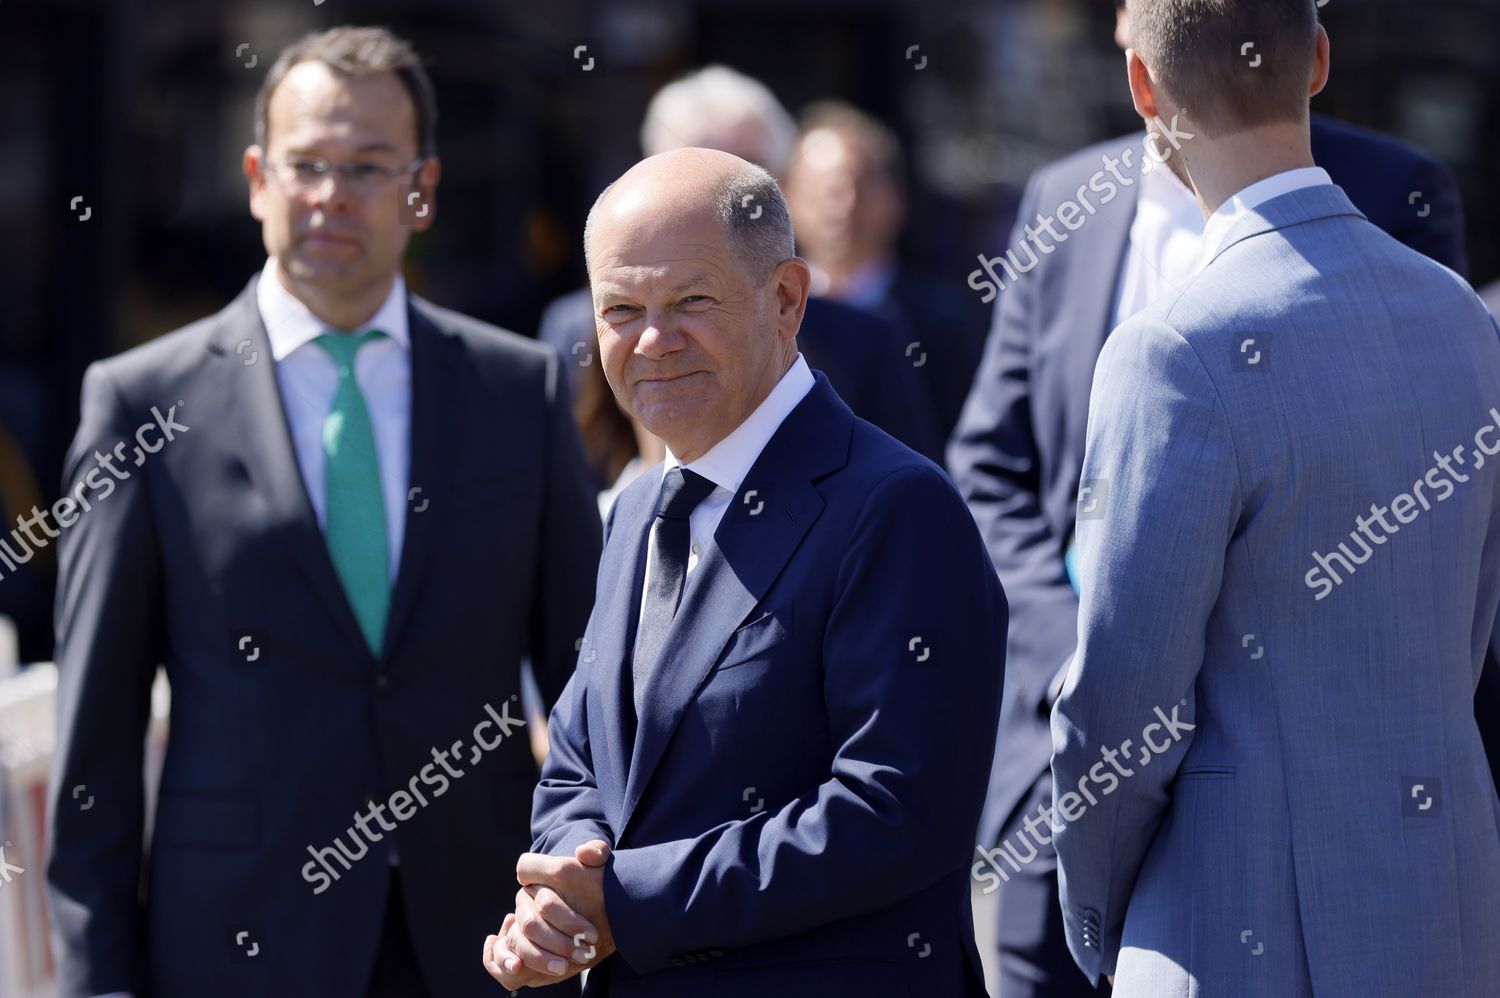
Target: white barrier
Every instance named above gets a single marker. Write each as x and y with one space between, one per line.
10 645
27 739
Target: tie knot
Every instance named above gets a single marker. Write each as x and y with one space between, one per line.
343 346
681 492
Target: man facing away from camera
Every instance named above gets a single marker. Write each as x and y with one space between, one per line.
1268 779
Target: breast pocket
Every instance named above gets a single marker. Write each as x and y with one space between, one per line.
755 641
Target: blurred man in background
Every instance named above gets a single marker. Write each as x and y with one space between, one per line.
361 511
1303 805
863 355
849 196
1017 455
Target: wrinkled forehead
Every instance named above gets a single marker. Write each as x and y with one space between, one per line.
647 238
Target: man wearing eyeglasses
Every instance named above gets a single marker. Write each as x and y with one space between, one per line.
361 512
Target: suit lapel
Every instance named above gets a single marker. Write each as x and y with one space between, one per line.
438 385
1086 314
1102 257
255 420
766 521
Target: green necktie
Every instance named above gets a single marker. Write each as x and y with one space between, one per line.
354 504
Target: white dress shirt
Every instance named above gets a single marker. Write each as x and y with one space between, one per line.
727 463
1230 212
309 377
1164 243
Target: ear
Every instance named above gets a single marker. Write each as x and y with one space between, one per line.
1321 65
1122 27
792 279
426 182
254 165
1142 86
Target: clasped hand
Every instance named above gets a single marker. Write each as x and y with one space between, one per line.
559 927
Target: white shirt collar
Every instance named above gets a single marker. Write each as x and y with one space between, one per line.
1216 232
1161 188
728 462
291 325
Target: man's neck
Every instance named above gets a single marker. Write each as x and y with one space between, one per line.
339 312
1221 168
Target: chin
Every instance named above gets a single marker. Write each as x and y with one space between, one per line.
673 420
329 272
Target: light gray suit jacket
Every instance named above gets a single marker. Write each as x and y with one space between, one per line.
1271 707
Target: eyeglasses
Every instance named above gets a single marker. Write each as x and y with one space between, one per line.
303 174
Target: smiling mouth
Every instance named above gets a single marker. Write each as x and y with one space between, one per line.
670 378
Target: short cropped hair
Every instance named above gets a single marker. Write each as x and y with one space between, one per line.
356 52
716 97
1232 64
755 216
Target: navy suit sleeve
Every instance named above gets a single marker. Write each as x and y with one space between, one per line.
996 463
566 809
109 642
569 553
913 658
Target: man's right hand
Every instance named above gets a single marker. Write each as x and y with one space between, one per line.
545 941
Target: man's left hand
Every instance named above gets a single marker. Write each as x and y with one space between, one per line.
571 889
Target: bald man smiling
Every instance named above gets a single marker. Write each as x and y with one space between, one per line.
767 767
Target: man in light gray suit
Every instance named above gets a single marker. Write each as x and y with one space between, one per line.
1268 779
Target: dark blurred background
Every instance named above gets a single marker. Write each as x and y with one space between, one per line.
143 109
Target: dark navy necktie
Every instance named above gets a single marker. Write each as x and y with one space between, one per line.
681 492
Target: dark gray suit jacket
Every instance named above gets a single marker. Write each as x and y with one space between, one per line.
209 559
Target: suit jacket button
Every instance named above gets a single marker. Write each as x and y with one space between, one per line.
382 682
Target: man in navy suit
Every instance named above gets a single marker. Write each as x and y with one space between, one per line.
762 776
1017 454
339 516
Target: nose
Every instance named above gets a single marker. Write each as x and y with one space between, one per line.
659 338
333 192
840 198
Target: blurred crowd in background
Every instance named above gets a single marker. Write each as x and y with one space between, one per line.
126 207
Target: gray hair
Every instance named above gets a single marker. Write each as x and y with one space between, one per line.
756 219
717 97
